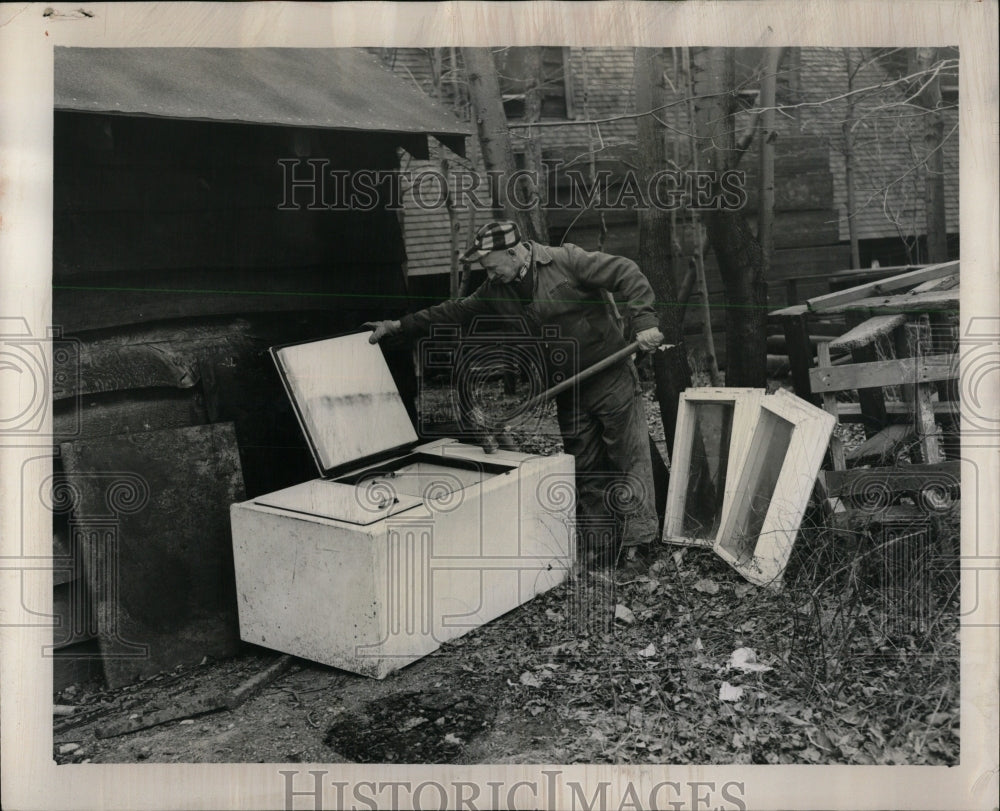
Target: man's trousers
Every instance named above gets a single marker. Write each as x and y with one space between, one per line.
603 424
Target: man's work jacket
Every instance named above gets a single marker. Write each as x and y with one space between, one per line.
567 284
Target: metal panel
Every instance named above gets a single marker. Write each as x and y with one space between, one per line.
345 399
149 514
329 88
353 504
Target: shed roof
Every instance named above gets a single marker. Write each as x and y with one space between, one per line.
327 88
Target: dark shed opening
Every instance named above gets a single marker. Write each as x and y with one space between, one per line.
181 252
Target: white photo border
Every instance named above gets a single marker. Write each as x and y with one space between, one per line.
27 38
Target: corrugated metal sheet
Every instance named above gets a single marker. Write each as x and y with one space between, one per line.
335 88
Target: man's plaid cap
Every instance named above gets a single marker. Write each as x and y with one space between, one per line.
494 236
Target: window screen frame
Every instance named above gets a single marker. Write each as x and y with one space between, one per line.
811 431
746 411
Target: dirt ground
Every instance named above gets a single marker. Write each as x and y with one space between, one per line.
600 670
436 711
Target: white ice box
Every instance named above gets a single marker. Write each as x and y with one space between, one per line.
398 547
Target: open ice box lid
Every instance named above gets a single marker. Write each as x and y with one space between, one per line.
345 399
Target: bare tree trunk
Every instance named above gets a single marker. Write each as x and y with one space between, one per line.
699 235
708 334
676 248
930 99
736 248
849 157
765 206
456 91
593 144
454 279
494 136
465 286
437 73
533 143
434 57
670 368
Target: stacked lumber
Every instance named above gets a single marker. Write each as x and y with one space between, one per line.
897 363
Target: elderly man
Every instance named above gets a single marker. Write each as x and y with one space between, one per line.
602 422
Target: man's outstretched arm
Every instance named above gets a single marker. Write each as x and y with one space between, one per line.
458 311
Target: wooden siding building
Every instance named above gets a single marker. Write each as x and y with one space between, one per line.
593 95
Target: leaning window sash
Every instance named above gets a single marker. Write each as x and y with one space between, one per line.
760 527
681 525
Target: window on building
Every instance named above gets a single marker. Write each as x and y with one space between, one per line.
749 68
517 69
902 62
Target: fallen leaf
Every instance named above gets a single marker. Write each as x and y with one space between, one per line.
530 679
648 651
746 660
453 739
820 740
741 590
937 718
851 716
728 692
698 644
624 613
707 586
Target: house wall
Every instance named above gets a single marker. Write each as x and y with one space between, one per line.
806 231
890 152
811 186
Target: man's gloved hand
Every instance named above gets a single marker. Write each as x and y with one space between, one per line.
382 328
649 339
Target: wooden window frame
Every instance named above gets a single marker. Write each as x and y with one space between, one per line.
567 79
812 428
746 409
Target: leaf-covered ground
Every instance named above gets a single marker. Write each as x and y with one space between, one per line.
861 645
855 660
643 671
